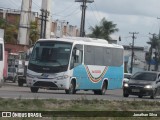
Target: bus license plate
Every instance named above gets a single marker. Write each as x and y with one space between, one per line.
135 90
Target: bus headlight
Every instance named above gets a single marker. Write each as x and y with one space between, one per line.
62 77
148 86
126 85
31 76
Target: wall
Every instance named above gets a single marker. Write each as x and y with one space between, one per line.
15 48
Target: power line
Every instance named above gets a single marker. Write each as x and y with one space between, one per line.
70 14
94 14
67 8
97 10
36 4
13 3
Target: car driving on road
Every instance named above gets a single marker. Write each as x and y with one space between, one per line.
143 84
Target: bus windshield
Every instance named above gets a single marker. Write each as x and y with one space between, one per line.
49 56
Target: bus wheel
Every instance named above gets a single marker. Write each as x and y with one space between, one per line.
103 91
71 89
34 89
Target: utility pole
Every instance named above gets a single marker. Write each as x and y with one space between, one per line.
159 29
44 19
82 31
132 56
24 25
83 6
150 55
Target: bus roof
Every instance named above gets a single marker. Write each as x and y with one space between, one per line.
84 40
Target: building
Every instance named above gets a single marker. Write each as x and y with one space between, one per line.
12 17
59 28
139 63
62 28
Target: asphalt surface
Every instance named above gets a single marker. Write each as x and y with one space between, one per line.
12 90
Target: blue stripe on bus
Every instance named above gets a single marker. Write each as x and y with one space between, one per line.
114 75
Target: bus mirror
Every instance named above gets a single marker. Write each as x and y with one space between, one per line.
77 52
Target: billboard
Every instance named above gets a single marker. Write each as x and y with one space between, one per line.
88 1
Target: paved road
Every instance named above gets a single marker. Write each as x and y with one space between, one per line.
12 90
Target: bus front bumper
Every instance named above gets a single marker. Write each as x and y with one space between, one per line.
48 84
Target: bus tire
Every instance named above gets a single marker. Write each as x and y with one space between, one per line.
104 88
34 89
71 89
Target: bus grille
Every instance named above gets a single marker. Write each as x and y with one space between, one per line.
45 84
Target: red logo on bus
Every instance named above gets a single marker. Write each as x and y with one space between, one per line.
96 71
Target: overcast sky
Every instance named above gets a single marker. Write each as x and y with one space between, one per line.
129 15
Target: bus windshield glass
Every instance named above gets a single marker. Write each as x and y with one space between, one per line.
50 56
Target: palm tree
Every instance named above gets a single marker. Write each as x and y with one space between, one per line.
96 31
108 28
154 44
104 30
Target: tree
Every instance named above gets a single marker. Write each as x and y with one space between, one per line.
2 23
34 32
96 32
154 44
10 31
103 30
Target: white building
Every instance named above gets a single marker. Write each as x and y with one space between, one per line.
139 63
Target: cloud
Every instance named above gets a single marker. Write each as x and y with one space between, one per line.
129 7
129 15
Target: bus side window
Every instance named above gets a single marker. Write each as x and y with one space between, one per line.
77 56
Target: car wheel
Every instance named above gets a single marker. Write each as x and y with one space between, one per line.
71 89
125 93
140 96
34 89
153 94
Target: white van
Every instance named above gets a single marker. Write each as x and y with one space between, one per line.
1 60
